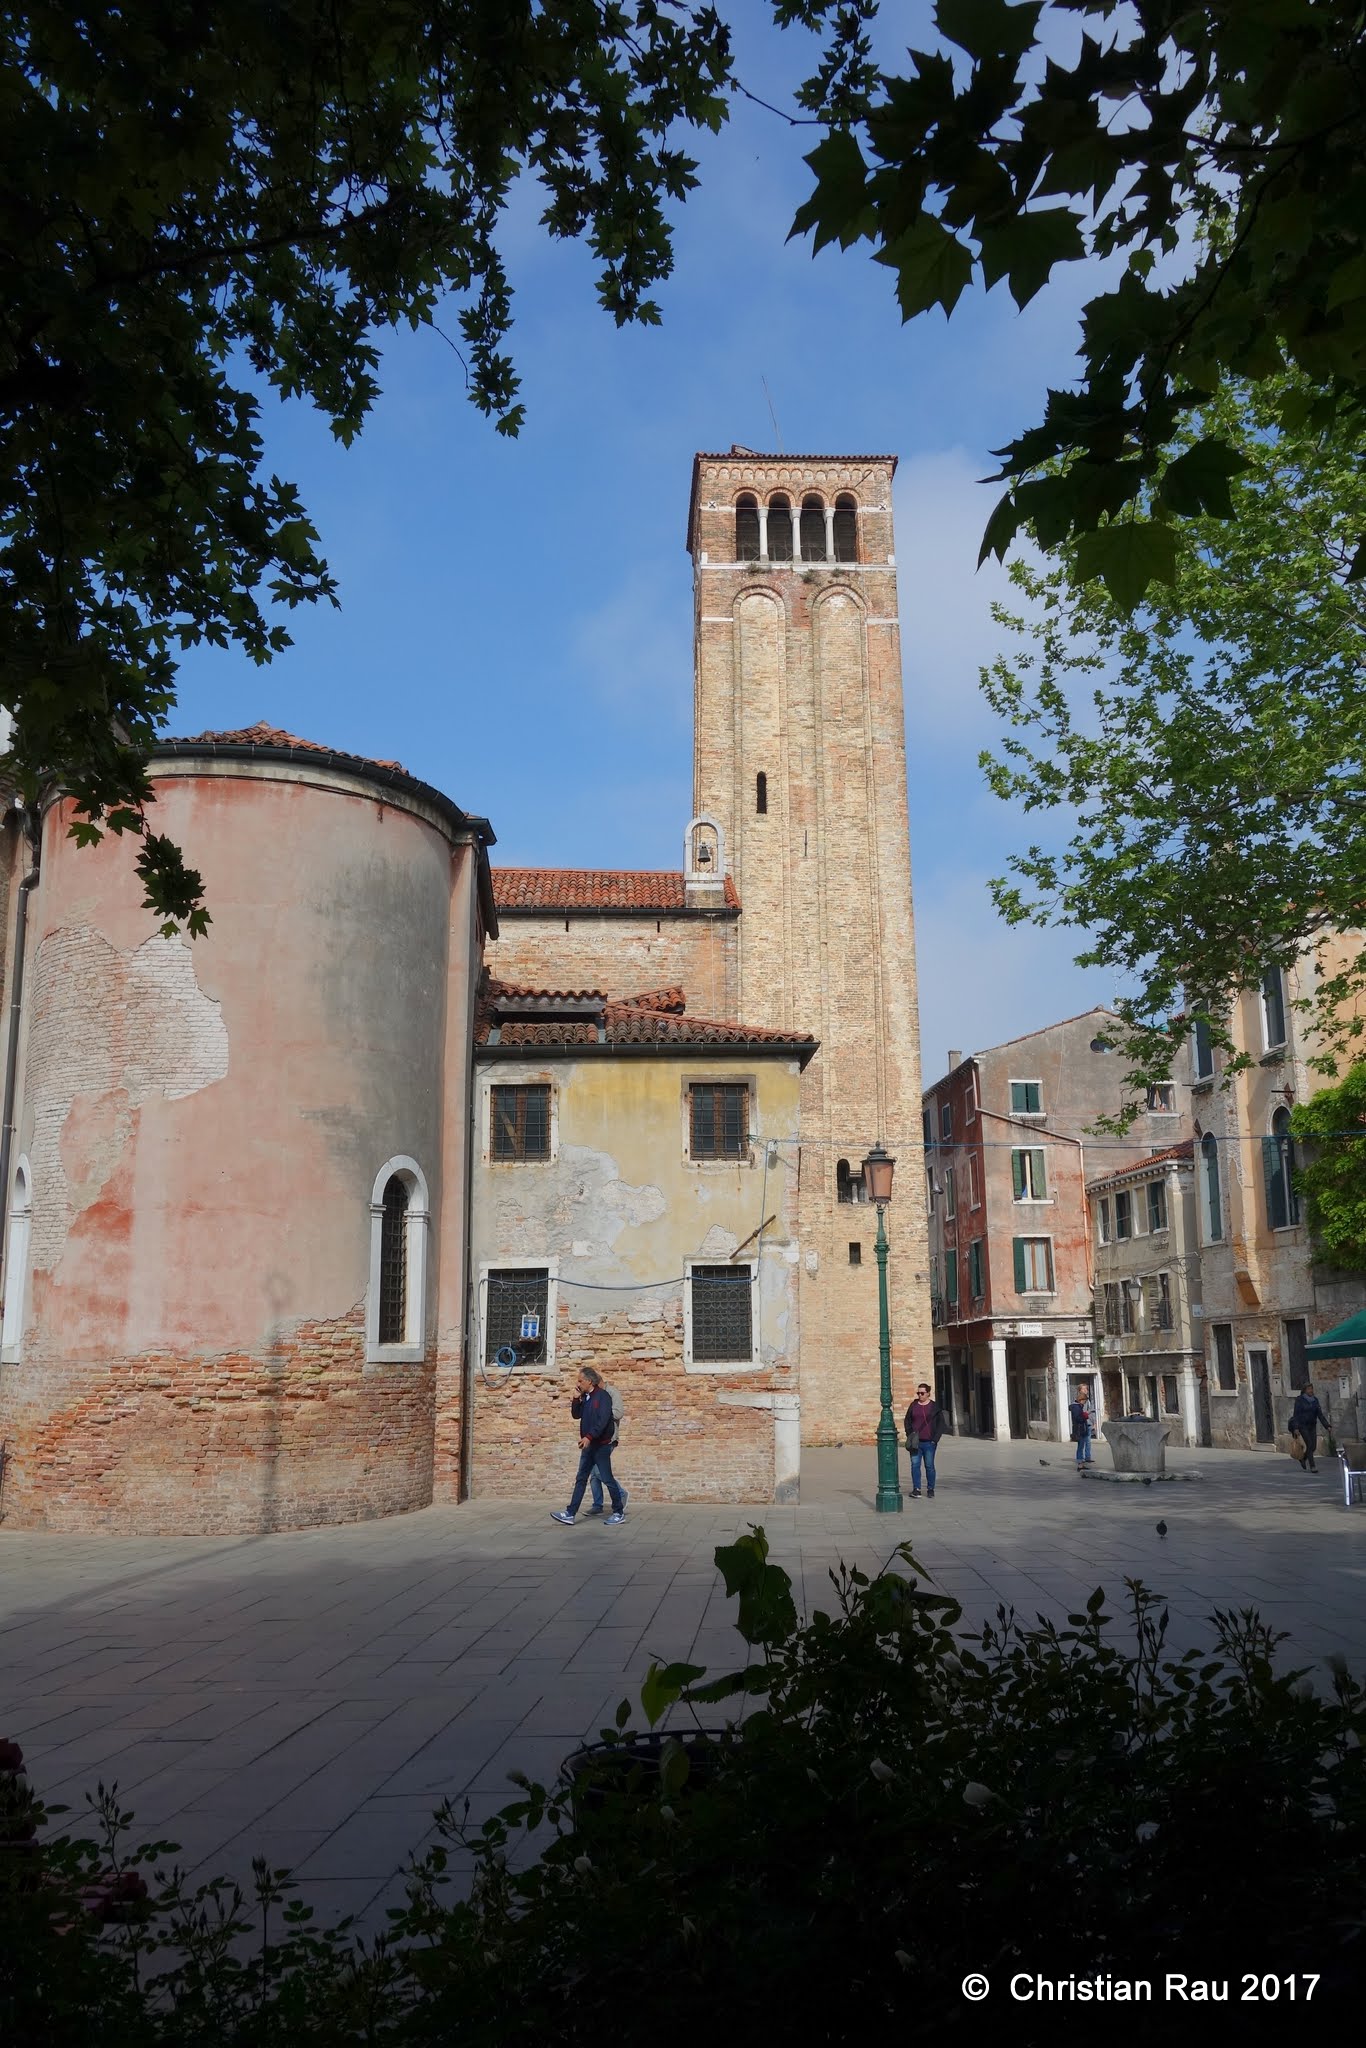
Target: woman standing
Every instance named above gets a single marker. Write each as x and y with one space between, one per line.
924 1427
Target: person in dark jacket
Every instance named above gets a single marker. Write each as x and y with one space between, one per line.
592 1409
1083 1419
1305 1416
924 1427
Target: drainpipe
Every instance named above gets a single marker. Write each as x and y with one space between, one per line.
26 888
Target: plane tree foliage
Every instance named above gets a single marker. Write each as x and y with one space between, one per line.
199 200
1332 1175
1199 761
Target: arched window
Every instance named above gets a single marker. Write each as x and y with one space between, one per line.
16 1261
846 529
849 1186
813 529
761 793
747 528
780 528
1211 1204
1278 1168
396 1301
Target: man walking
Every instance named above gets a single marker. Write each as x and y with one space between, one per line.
924 1427
594 1479
592 1409
1305 1416
1083 1417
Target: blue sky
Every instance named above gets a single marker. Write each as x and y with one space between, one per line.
515 621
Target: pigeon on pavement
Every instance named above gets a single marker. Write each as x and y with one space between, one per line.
1161 1528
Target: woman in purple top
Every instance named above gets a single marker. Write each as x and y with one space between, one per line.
924 1427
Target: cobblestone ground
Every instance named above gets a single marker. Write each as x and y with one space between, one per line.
312 1696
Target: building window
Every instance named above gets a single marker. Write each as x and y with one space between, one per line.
1211 1204
1273 1009
718 1120
1296 1357
936 1298
813 530
1026 1098
849 1186
970 1175
1157 1205
780 529
1225 1371
950 1194
396 1299
720 1305
951 1277
1135 1394
846 529
1130 1298
1157 1301
855 1254
17 1230
747 528
929 1188
1162 1098
1278 1169
1036 1396
1171 1400
1112 1308
927 1129
946 1123
1104 1233
971 1093
1202 1050
761 794
1033 1265
519 1121
517 1315
977 1280
1124 1214
1029 1174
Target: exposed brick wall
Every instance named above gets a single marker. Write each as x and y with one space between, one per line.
623 956
677 1441
162 1444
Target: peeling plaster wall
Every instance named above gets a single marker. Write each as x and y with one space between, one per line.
204 1122
615 1212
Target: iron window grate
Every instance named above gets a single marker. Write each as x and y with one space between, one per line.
393 1263
719 1117
521 1121
722 1315
514 1292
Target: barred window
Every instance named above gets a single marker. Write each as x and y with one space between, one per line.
515 1312
747 528
1112 1308
722 1315
520 1122
718 1119
846 530
393 1263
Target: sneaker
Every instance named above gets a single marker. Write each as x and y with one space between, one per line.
916 1494
592 1511
562 1515
620 1516
930 1494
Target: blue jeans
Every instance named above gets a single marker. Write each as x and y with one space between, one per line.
922 1453
595 1486
597 1457
1084 1448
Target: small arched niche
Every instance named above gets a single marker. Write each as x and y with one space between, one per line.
704 852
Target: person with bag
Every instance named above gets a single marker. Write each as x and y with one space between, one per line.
594 1477
924 1427
591 1408
1083 1418
1305 1417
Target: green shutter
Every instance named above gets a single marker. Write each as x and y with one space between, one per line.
1019 1248
1017 1168
1040 1176
951 1276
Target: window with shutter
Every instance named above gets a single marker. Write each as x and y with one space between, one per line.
1028 1174
1112 1308
1225 1367
976 1270
1212 1208
1157 1205
1273 1008
1124 1214
1103 1219
951 1278
1026 1098
1033 1265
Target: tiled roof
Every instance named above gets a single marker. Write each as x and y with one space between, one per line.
526 891
263 735
631 1021
775 455
1185 1150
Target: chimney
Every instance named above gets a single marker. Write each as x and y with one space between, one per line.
955 1059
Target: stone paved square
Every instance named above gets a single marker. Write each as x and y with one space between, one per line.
313 1695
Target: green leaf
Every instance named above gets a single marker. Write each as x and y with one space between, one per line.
1127 557
1025 248
662 1686
987 28
933 268
767 1612
841 176
1197 482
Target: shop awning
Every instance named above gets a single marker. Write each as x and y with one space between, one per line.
1346 1340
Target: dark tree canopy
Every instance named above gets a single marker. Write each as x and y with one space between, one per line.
195 194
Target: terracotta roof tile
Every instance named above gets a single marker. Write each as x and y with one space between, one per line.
631 1022
528 890
263 735
1185 1150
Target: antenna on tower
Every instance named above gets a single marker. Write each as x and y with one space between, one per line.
777 435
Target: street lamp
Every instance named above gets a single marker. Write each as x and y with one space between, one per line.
877 1179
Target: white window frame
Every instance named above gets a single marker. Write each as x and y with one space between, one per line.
1026 1081
715 1365
1104 1226
1041 1237
946 1123
18 1231
413 1349
974 1191
551 1268
1125 1195
497 1080
1270 1044
1167 1107
1166 1223
1030 1194
950 1194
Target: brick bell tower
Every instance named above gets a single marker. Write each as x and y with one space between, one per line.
799 754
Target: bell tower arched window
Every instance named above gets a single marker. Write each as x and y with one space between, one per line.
813 529
846 529
780 528
747 528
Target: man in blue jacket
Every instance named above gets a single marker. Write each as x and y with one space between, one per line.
1305 1416
592 1409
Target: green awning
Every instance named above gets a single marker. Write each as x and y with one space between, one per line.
1347 1340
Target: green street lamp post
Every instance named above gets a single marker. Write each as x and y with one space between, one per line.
877 1179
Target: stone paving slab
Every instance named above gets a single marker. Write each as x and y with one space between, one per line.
314 1695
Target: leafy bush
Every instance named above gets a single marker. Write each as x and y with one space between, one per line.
902 1803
